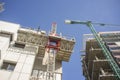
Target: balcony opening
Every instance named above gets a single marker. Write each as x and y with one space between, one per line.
19 45
8 66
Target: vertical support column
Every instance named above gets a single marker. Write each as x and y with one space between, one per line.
0 54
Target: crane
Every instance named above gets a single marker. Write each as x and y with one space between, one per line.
1 7
106 52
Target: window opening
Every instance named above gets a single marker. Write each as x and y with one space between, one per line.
8 66
19 45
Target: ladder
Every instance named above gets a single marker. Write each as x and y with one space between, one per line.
51 64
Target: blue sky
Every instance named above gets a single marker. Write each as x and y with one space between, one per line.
34 13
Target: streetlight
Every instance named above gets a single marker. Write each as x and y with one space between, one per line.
106 52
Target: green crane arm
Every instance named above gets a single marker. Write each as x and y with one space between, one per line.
106 52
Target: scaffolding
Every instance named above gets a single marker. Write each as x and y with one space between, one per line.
52 50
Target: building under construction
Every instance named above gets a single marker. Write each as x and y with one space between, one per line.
95 64
27 54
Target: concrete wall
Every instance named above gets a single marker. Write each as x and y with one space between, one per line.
40 70
9 27
24 59
4 44
5 75
23 68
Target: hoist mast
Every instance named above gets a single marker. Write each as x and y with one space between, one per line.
51 50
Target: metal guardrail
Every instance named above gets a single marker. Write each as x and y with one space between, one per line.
66 37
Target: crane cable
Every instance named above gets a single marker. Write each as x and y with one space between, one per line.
102 24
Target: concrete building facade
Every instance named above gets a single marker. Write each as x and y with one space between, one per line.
95 65
27 54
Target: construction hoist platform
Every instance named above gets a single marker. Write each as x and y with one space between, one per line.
106 52
52 49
